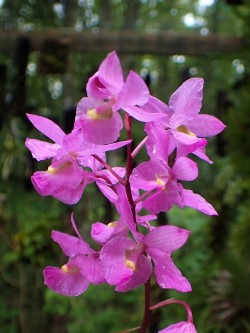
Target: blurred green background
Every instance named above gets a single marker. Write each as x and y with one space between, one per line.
210 39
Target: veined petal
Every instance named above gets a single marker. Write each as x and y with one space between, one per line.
91 268
198 147
142 115
188 97
110 73
71 143
201 153
96 89
47 127
124 208
133 92
163 200
196 201
205 125
144 176
154 105
157 143
65 283
166 238
113 258
101 233
102 131
168 276
41 150
66 183
70 245
185 169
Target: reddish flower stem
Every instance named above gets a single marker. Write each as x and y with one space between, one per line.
147 311
108 167
130 155
174 301
128 127
108 181
143 196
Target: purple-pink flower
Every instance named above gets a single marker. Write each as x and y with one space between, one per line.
181 327
188 128
127 263
133 247
107 93
65 178
83 266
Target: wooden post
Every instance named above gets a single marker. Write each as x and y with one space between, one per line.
128 42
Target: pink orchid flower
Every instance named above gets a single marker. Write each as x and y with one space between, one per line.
162 181
107 92
82 268
187 127
65 178
127 263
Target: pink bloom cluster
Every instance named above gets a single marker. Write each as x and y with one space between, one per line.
130 249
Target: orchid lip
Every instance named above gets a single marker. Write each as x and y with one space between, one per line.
184 129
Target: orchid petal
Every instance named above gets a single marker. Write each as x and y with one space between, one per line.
70 245
41 150
157 143
167 274
206 125
110 73
187 98
113 259
139 277
184 138
185 169
102 131
196 201
141 115
154 105
67 284
166 238
47 127
133 92
91 268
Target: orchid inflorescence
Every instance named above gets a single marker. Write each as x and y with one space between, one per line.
131 248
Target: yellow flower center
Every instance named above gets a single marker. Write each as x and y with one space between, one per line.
66 269
184 129
52 170
112 224
161 183
92 114
103 111
130 264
